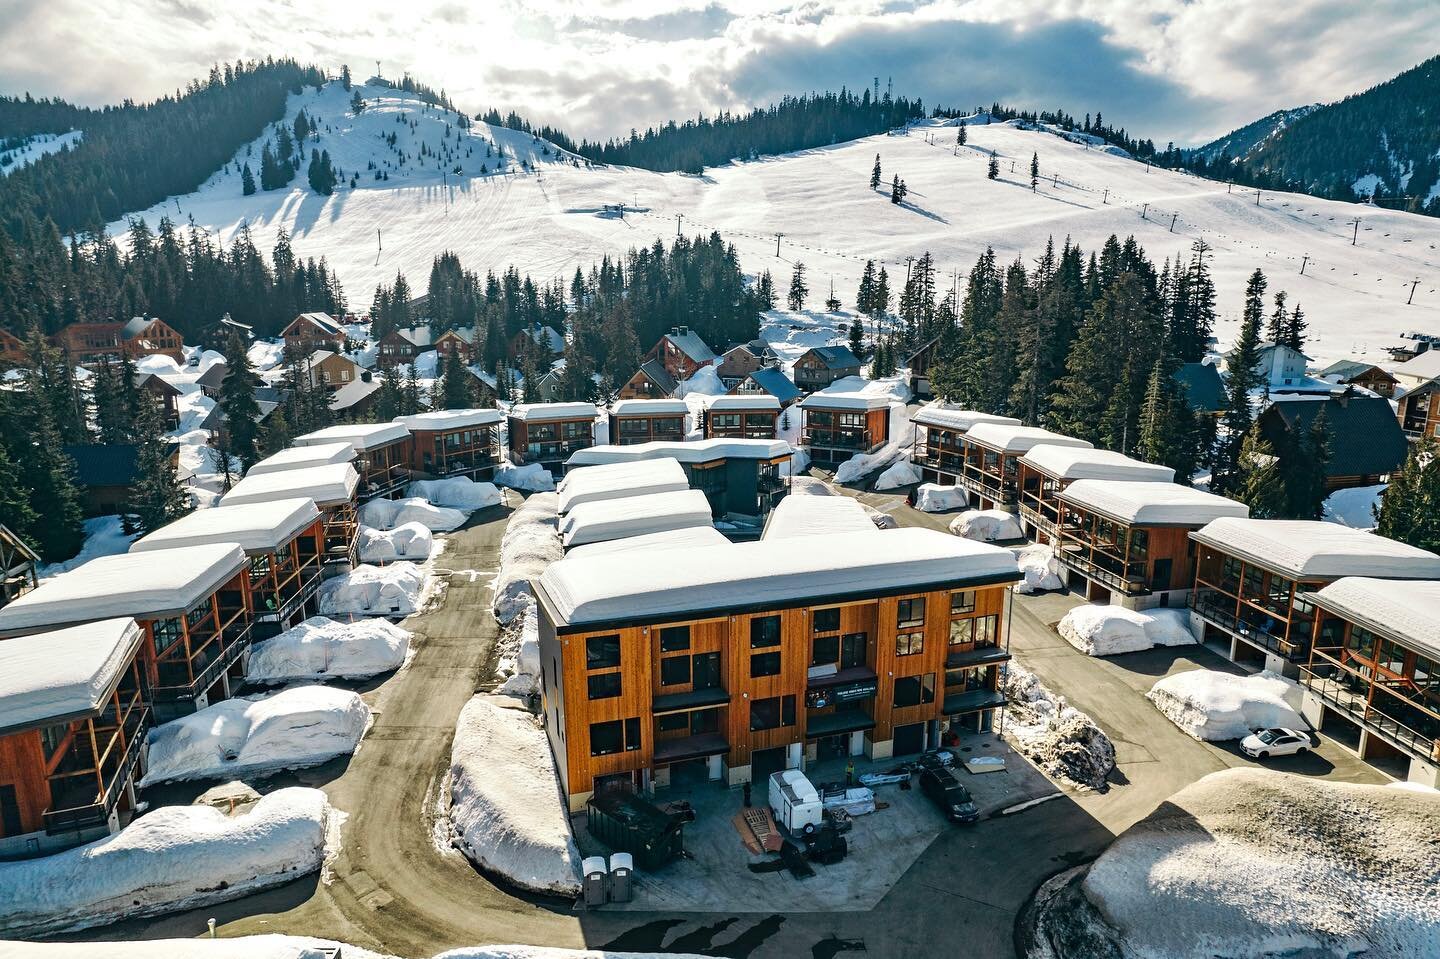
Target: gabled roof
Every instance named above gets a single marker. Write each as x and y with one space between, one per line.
213 376
418 335
1269 346
546 336
352 393
97 464
687 341
758 348
655 372
321 321
137 326
1204 389
1311 549
1346 370
924 347
835 357
143 379
64 674
465 334
1365 435
776 383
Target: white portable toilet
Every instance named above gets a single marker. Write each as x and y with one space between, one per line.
594 869
622 866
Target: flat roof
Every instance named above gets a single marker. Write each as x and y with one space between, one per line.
595 591
697 451
1009 438
649 408
1409 613
362 436
297 457
1082 463
553 412
601 520
1311 549
812 515
845 401
328 485
255 527
958 420
754 402
588 484
689 537
1140 503
149 585
64 674
438 420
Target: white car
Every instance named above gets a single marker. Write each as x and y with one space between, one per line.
1264 743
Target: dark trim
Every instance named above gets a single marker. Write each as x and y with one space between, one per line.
688 702
849 722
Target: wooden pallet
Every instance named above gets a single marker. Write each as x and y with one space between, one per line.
763 828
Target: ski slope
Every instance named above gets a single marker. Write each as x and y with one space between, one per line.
35 147
550 221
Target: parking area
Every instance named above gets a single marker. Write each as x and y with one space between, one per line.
720 875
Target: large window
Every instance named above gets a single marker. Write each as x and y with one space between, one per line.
602 652
604 685
617 735
909 644
853 649
674 670
672 722
826 620
674 638
167 633
764 664
910 613
51 738
772 713
825 650
962 601
914 690
764 632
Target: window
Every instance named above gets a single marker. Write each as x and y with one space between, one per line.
194 616
604 685
962 631
824 650
51 737
987 630
674 638
853 647
602 652
764 632
764 664
617 735
910 613
962 602
914 690
772 713
167 633
706 672
673 722
908 644
674 670
826 620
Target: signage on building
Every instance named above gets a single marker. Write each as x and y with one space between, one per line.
841 693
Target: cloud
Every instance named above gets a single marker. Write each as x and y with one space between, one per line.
1168 69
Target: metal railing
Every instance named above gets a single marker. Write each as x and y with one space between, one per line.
1205 602
1339 695
233 641
93 814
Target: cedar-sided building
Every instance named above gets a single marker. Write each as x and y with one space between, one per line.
550 433
1127 542
285 543
1047 470
1256 579
1365 375
1366 441
769 381
820 366
742 359
192 602
453 443
460 340
313 331
381 454
992 453
650 382
12 351
1372 677
839 425
682 353
742 659
919 365
166 394
1419 412
752 416
332 487
149 336
73 723
647 421
402 346
937 443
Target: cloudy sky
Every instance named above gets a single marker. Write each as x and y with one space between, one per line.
1186 70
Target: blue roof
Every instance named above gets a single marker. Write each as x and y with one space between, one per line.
1204 390
776 383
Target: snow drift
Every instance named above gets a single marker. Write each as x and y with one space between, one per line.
515 825
987 525
900 473
533 478
390 513
1060 739
322 648
251 735
518 651
457 492
934 498
1212 705
1113 630
410 541
530 544
393 590
1039 569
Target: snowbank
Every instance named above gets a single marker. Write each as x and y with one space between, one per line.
515 825
934 498
175 858
987 525
366 590
1060 739
1354 507
291 729
518 648
458 492
706 382
295 947
863 464
410 541
321 648
104 536
1112 630
533 478
1039 568
1212 705
390 513
530 544
901 473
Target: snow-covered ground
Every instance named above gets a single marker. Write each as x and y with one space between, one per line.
1057 737
171 859
104 536
258 735
1354 507
515 825
531 542
1212 705
987 525
35 147
292 947
1100 630
322 648
398 589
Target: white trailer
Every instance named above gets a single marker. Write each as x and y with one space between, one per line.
795 803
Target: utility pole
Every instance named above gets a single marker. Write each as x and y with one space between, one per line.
777 244
1229 185
1257 197
1144 210
1303 260
678 218
1413 283
1173 218
1356 235
1106 197
1054 179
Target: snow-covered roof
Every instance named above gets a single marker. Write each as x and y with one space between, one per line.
690 537
698 451
298 457
1082 463
1311 549
1409 613
959 420
766 574
548 412
649 407
63 674
1009 438
255 527
143 585
601 520
1426 366
328 485
810 515
362 436
589 484
738 404
690 343
845 401
1142 503
436 420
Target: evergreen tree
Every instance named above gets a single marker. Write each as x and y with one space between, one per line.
410 393
111 412
857 337
1034 171
865 295
15 509
1410 509
960 136
895 189
832 302
51 380
1168 429
765 292
389 398
247 181
345 81
1192 316
1260 485
1242 378
795 299
992 169
157 497
1303 466
1295 330
321 174
875 174
455 387
38 496
237 400
357 103
1279 324
880 301
276 432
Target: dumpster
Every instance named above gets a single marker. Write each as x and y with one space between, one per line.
627 823
622 865
594 869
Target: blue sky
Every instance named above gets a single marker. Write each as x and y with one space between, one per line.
1162 68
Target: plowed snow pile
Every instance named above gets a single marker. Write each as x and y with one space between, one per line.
901 473
292 947
987 525
409 541
391 513
1212 705
533 478
177 857
456 492
322 648
933 498
393 590
530 544
1058 738
518 649
1039 568
1112 630
1248 862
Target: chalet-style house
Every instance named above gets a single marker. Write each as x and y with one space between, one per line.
402 346
1367 443
1419 369
682 352
18 562
650 382
1203 388
839 425
820 366
647 421
1358 373
1279 366
381 454
549 433
267 400
313 331
332 370
660 662
460 340
166 394
148 336
12 351
546 340
770 381
107 473
453 443
919 365
753 416
742 359
1419 412
142 336
212 379
1046 471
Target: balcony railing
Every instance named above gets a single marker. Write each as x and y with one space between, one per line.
1130 581
1343 697
95 814
939 459
837 441
1220 610
557 450
232 642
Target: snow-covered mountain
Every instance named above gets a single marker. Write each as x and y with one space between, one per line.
22 151
563 214
1238 144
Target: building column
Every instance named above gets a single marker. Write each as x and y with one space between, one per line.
714 767
1312 707
795 756
1425 773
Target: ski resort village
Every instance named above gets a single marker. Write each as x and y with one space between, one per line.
852 525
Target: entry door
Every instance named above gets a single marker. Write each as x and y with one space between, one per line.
1160 579
705 672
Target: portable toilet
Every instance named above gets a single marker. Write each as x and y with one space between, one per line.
622 865
594 869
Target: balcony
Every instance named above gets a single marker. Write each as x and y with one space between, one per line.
987 655
1220 610
74 818
216 658
972 702
1129 580
555 452
1343 691
939 458
383 481
826 440
837 723
690 747
694 699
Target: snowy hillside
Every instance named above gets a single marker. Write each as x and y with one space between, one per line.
551 222
32 148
